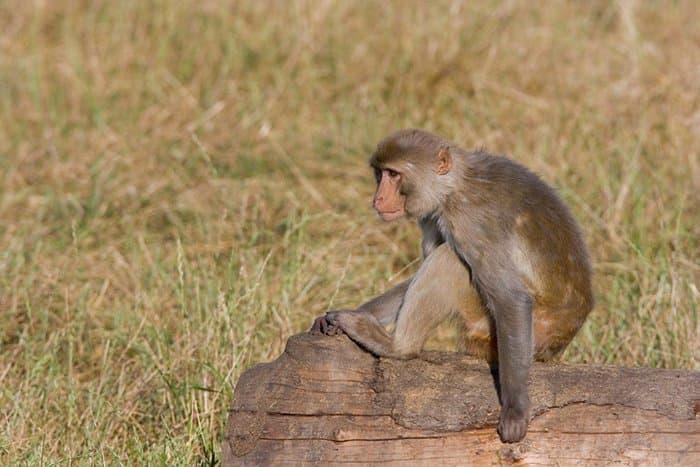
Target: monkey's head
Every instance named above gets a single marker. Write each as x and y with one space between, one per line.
414 173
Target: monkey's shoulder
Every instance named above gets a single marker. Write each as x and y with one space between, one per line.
505 170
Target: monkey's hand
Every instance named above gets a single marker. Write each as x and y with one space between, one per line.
326 324
512 425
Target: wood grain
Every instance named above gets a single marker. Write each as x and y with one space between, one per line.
325 401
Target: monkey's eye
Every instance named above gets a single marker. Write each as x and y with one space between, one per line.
392 173
377 175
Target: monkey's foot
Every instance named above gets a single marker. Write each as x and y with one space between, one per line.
512 426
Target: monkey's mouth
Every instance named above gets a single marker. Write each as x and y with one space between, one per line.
391 215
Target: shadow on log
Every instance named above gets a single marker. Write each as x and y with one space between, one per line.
326 401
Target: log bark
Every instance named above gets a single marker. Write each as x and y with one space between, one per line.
325 401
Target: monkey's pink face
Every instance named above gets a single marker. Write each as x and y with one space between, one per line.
388 200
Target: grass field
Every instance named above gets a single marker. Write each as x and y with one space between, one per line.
183 185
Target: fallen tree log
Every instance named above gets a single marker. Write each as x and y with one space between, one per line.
326 401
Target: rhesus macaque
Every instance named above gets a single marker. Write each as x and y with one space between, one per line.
500 249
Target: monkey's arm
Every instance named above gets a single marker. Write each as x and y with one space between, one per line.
386 306
510 303
439 288
383 309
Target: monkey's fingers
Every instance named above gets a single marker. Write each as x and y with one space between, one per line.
333 330
317 327
512 426
323 326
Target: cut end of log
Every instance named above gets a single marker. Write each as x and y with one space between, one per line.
325 400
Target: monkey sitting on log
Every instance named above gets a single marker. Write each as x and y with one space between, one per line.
500 249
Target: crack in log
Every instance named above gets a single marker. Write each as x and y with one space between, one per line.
315 391
657 412
348 440
327 414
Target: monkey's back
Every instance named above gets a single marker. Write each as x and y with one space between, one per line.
540 237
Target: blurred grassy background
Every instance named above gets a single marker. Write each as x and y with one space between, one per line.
183 185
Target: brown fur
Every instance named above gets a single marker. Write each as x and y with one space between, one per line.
501 250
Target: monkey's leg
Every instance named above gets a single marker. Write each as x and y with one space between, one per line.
439 289
442 287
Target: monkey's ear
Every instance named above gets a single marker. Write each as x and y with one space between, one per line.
444 161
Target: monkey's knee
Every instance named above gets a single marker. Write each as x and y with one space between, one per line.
553 331
405 348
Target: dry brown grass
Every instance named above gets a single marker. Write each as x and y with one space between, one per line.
183 185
